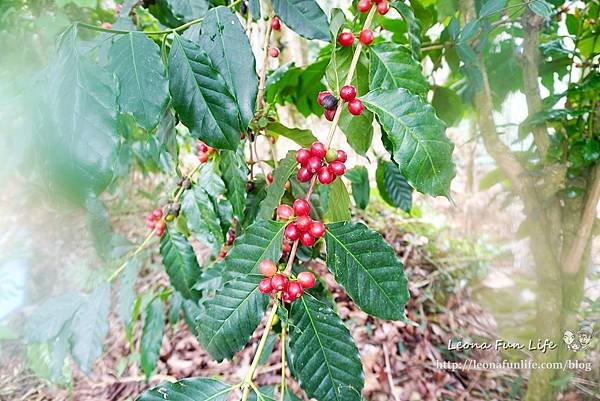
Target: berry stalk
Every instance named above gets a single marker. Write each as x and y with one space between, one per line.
263 73
282 387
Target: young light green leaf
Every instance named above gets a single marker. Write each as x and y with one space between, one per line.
228 47
338 202
358 130
393 66
392 186
201 217
303 137
152 334
62 308
180 263
339 66
305 17
421 147
331 370
201 96
235 174
359 178
231 316
195 388
366 266
144 89
126 292
286 167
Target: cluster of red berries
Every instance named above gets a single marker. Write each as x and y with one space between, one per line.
366 37
275 282
203 151
155 222
347 94
275 25
327 164
303 228
383 6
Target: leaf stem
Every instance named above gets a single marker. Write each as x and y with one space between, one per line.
247 382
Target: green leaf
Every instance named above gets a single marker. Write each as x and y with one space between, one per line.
235 174
225 41
358 130
39 328
541 8
392 186
254 7
262 240
448 105
303 137
359 178
89 327
144 89
201 96
201 217
126 292
211 179
393 66
414 27
490 7
231 316
191 314
253 200
180 263
175 306
323 354
339 66
338 202
421 147
178 12
152 334
304 17
366 266
196 388
286 167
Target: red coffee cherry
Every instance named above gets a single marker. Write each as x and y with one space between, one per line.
160 228
325 176
337 168
306 279
275 24
301 207
287 298
317 229
292 232
317 149
329 114
157 213
364 5
270 177
223 253
366 37
201 147
304 175
265 286
286 248
348 92
274 52
342 156
202 157
279 282
303 223
383 7
355 107
314 164
267 268
295 290
346 38
307 239
322 95
284 212
302 156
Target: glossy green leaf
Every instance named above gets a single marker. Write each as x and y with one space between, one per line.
152 334
178 12
339 66
180 262
231 316
541 8
90 327
392 186
285 169
323 354
144 89
175 306
254 8
303 137
366 266
359 178
413 24
196 388
126 292
448 105
421 147
338 202
490 7
393 66
201 96
225 41
358 130
305 17
211 180
235 174
262 240
253 200
201 218
39 328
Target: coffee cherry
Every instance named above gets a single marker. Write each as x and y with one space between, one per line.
157 213
279 282
295 290
202 157
265 286
150 224
348 92
363 5
342 156
275 24
230 237
302 156
337 168
383 7
160 227
331 155
307 239
303 223
287 298
201 147
306 279
314 164
325 176
366 37
274 52
286 248
330 102
169 218
249 186
267 268
270 177
284 212
322 95
355 106
223 253
317 229
243 8
346 38
329 114
304 175
301 207
317 149
292 232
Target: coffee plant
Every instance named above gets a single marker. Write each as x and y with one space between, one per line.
172 78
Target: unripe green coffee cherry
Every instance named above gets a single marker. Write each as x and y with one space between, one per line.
331 155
